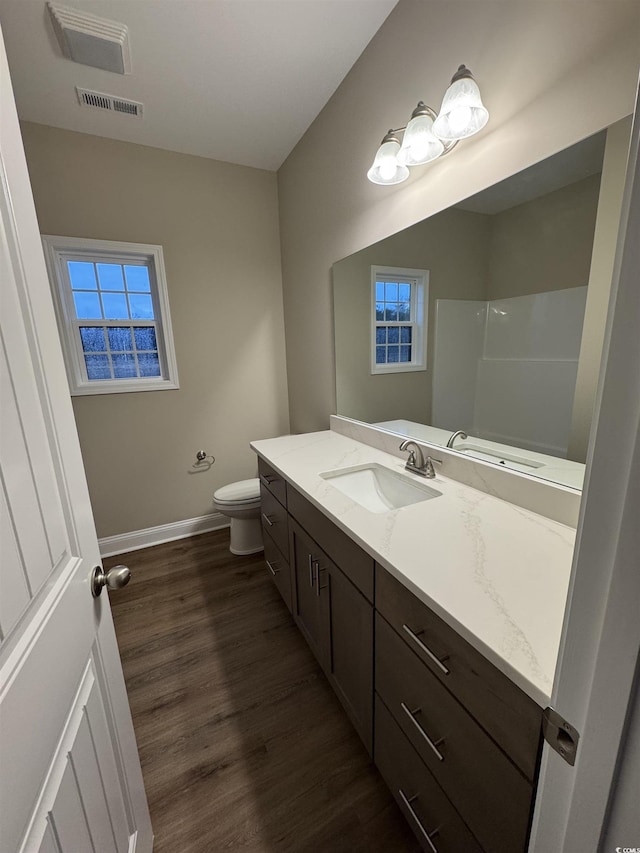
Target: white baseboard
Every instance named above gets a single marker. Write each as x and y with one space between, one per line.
137 539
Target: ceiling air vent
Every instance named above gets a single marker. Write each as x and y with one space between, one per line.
100 101
91 40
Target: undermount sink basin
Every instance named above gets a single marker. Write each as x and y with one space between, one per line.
509 460
378 489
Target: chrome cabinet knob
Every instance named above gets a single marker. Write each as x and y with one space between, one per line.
114 578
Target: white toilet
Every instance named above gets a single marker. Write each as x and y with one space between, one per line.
241 503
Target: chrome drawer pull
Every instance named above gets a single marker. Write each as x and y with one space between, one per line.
267 479
433 744
268 520
311 575
426 835
428 652
273 571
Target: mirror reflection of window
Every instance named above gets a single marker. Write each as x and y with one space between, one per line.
399 311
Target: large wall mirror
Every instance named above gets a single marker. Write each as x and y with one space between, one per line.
508 277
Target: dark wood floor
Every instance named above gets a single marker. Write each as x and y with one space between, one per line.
243 744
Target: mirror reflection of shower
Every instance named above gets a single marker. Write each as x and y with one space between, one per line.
505 369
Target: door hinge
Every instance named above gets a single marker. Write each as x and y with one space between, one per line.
560 735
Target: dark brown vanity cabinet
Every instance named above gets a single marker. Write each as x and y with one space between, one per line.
337 622
474 733
455 739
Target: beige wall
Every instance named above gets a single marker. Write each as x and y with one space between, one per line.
551 74
544 244
433 245
218 225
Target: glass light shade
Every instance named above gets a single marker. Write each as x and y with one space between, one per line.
386 169
419 144
462 113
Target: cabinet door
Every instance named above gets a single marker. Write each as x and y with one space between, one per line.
310 615
350 618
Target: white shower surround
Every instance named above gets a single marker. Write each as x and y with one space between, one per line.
505 369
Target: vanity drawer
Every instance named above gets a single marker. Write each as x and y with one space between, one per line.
511 718
490 793
278 568
274 519
356 564
419 796
271 480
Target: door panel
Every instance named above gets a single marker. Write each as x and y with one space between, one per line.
351 643
309 613
15 592
74 802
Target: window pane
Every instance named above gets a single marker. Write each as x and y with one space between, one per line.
404 311
87 306
391 312
393 335
379 310
141 306
405 334
391 291
110 276
137 278
405 353
124 365
120 338
98 367
381 355
381 335
115 306
149 364
393 354
92 339
82 275
379 291
145 337
404 293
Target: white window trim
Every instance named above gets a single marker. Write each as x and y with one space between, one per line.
419 304
55 249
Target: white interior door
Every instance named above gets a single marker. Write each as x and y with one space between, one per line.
70 777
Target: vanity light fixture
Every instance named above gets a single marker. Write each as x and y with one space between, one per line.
428 135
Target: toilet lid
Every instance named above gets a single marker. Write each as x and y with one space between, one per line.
243 490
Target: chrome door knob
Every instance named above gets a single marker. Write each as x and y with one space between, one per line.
114 578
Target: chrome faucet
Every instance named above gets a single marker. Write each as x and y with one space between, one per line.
460 434
416 461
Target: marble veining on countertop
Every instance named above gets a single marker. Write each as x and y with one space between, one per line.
496 573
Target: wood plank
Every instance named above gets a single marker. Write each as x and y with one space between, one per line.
243 743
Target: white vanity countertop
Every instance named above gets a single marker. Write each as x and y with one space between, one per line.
496 573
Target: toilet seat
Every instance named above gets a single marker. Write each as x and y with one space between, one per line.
242 493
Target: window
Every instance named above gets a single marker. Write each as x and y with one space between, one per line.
399 300
113 315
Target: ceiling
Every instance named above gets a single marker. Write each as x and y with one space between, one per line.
234 80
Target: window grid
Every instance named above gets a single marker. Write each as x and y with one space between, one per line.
103 280
395 320
92 356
